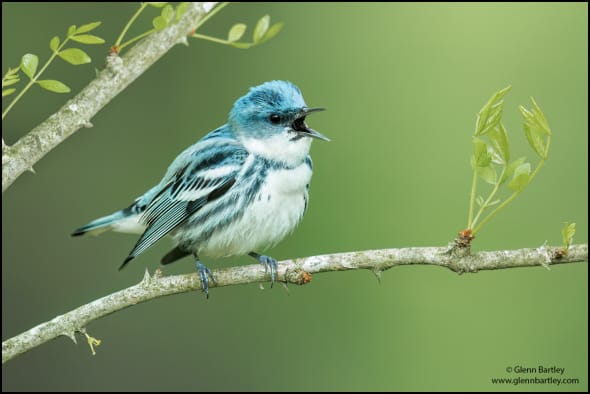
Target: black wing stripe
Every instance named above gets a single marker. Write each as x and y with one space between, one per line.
186 191
175 214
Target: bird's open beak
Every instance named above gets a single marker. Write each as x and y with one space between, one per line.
308 131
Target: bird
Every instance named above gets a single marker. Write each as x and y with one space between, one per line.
242 187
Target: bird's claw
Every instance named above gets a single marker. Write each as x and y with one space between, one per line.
204 274
271 265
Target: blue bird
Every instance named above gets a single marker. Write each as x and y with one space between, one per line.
242 187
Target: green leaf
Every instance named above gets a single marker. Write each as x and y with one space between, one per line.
8 92
510 169
261 28
181 10
479 200
499 142
491 113
540 117
168 13
521 177
518 183
54 86
54 44
75 56
524 168
492 203
536 129
10 81
28 64
236 32
482 157
536 140
71 30
567 234
157 4
488 174
87 27
273 31
159 22
12 73
87 39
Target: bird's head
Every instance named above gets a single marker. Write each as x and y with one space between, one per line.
270 121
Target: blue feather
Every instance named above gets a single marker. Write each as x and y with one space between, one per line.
243 186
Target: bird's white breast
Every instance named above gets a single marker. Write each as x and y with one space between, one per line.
279 148
274 212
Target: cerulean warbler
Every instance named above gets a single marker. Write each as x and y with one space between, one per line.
242 187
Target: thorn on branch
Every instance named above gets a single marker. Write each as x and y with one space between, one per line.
146 278
71 335
378 274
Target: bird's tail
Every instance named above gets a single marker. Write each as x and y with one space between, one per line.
125 221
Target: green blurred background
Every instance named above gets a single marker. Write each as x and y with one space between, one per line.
402 84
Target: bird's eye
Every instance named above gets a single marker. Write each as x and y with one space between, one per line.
274 119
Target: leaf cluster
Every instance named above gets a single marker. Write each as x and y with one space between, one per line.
491 159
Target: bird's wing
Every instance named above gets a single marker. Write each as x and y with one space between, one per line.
206 175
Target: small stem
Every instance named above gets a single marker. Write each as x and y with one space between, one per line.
209 38
512 197
492 194
128 25
495 211
34 79
31 82
210 14
147 33
472 196
139 37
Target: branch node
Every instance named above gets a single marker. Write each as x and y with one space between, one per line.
297 276
462 265
158 273
461 246
114 62
558 253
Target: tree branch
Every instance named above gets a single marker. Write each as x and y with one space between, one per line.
297 271
77 112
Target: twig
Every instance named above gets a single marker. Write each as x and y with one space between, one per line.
296 271
78 111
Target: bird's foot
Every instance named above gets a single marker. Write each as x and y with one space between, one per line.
269 264
205 274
